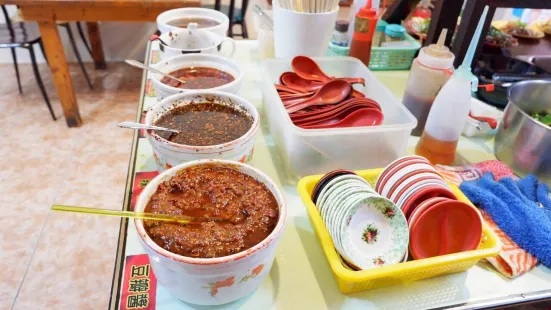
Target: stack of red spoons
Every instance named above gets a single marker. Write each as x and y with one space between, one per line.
316 101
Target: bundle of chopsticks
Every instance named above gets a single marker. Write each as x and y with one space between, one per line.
309 6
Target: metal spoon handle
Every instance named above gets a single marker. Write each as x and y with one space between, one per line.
133 125
140 65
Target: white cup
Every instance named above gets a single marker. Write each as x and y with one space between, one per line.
194 41
306 34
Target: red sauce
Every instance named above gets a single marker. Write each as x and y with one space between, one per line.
249 207
198 78
204 124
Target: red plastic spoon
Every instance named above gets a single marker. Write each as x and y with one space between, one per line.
361 117
286 89
331 93
329 112
308 69
328 118
293 96
293 80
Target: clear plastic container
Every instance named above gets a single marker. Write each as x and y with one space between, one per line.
307 152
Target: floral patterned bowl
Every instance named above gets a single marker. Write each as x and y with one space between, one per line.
212 281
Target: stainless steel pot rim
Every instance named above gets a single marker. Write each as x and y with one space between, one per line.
511 101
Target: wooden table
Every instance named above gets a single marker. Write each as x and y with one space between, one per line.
47 12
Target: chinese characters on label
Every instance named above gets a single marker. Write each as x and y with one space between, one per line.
139 284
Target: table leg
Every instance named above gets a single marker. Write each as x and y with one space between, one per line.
94 36
60 72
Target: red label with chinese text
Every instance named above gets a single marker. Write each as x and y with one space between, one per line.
140 181
139 286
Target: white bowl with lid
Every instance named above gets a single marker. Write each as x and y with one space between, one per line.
165 18
168 154
195 41
196 60
212 281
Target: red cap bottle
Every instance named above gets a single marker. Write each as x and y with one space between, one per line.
364 28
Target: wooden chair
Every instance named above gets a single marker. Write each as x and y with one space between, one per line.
23 35
67 27
236 16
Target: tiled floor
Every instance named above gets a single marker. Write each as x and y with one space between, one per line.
46 163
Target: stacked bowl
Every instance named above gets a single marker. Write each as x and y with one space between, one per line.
438 223
368 230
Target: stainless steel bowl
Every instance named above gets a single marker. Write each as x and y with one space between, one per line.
521 142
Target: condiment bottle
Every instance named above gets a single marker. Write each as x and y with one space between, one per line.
450 110
364 27
379 36
394 32
340 33
429 72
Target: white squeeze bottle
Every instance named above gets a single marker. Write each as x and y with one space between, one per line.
429 72
450 110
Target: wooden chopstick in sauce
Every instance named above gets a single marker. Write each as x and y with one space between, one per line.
139 215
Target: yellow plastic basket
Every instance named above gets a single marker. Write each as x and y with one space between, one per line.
351 281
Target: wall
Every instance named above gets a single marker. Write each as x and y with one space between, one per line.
120 41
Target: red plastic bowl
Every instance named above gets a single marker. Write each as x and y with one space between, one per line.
445 228
425 193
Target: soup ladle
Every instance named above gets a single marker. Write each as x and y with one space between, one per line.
133 125
140 65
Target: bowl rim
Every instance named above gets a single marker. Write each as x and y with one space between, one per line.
152 187
162 19
201 31
196 148
215 58
511 101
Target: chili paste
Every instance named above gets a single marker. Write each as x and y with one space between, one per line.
204 124
198 78
248 209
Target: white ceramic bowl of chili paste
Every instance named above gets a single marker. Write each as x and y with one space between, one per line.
211 20
212 281
198 62
169 154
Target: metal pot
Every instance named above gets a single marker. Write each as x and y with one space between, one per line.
521 142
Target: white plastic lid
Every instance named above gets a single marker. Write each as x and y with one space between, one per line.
437 55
